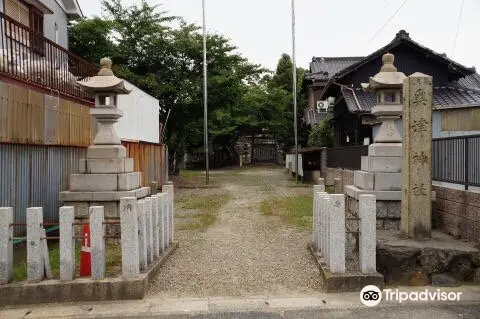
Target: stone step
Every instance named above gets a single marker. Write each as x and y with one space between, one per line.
106 151
104 182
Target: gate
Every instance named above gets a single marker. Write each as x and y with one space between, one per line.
264 153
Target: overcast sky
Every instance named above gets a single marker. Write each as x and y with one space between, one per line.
261 29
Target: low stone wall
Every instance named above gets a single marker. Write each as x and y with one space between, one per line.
388 213
457 213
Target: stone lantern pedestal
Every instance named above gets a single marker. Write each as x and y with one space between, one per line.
106 175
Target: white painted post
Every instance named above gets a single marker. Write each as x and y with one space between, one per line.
149 225
6 244
97 241
368 233
67 243
129 237
161 221
336 245
142 235
35 265
45 254
154 226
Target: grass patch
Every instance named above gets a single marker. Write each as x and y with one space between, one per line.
190 173
330 189
295 210
208 206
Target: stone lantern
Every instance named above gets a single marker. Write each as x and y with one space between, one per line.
380 173
106 175
387 85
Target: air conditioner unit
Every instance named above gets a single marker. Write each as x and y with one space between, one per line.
322 106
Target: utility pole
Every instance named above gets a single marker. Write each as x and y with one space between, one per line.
294 66
205 96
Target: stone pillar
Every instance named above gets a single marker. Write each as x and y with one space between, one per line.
158 234
368 234
315 242
67 243
336 243
6 244
97 241
321 183
154 227
416 220
165 221
161 221
153 187
171 212
36 267
129 241
324 212
337 182
142 235
320 203
323 162
149 226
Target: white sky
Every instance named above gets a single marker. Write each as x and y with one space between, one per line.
261 29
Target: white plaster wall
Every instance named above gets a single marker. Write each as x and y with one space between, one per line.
140 121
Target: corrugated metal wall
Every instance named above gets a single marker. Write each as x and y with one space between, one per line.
149 159
32 176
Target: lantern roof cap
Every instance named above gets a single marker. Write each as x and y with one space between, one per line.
105 81
388 77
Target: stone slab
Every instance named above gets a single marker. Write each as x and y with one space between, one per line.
109 165
364 164
93 182
363 180
354 192
385 149
129 181
106 151
388 164
82 166
68 196
83 289
346 282
388 181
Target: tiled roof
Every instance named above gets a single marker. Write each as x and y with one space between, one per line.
470 81
359 101
323 68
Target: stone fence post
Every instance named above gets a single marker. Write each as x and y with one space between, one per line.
97 241
154 226
6 244
67 243
337 182
367 212
161 221
171 213
149 226
315 242
165 220
142 235
35 263
129 237
336 243
323 162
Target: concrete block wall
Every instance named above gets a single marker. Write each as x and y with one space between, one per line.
457 212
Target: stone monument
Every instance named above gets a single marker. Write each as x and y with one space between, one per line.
106 175
380 172
417 156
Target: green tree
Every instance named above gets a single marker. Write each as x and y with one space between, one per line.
321 134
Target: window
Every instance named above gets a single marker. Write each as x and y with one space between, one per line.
36 34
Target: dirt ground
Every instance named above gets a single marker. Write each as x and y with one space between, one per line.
244 252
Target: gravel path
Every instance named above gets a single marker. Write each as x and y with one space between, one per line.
244 253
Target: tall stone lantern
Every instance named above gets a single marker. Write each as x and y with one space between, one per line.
387 85
106 175
380 172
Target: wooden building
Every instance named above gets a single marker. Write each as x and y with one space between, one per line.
335 82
